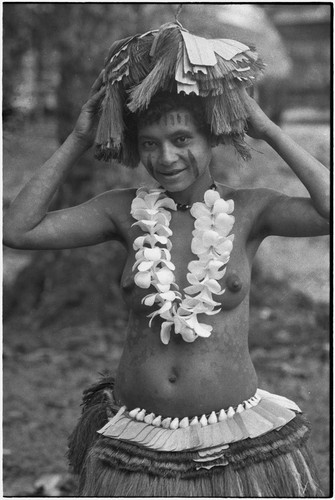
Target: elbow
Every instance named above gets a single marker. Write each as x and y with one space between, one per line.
11 237
322 206
324 209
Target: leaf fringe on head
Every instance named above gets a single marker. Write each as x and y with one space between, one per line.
164 53
111 125
171 59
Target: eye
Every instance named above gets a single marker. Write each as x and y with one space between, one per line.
148 145
182 140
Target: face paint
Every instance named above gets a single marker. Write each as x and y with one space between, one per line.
193 164
173 150
150 167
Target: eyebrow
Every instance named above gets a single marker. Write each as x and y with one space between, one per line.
179 131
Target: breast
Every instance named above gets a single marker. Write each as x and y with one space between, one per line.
236 284
131 293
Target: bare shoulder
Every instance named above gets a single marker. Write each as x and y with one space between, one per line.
253 198
123 196
249 206
266 212
116 201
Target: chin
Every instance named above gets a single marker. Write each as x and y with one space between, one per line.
175 187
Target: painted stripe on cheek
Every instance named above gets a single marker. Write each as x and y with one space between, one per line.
150 167
193 163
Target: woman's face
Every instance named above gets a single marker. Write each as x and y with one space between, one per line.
173 150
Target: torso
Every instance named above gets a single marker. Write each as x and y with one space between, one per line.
187 379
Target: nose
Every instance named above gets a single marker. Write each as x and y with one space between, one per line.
167 155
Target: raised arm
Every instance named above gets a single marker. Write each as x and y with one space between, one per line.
27 224
284 215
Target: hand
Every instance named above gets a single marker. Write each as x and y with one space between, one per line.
258 124
86 126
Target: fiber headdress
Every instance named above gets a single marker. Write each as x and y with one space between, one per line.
173 60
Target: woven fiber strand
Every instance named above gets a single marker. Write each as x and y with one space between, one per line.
114 468
276 464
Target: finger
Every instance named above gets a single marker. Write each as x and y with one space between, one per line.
97 96
250 90
94 101
98 82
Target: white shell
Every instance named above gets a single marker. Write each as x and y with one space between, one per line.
222 416
157 421
230 412
149 418
174 424
134 412
166 422
203 421
194 421
240 408
212 418
140 416
253 402
184 422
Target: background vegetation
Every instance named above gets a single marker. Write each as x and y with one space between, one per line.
63 315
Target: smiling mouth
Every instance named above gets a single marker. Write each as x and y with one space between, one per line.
171 173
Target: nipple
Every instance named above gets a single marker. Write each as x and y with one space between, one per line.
234 283
128 282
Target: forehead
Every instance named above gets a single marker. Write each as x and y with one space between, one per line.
174 119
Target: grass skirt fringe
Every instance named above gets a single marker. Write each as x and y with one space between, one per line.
277 464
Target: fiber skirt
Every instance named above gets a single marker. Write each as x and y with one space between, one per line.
277 463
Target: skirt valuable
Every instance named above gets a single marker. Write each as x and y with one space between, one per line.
259 450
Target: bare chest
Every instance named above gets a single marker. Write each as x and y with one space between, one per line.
235 282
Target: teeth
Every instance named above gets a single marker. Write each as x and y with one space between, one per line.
140 416
222 416
157 421
149 418
194 421
240 408
134 412
203 421
184 422
247 405
230 412
174 424
166 422
212 418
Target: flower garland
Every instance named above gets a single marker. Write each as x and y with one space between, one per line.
211 244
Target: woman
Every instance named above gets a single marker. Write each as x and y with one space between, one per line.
184 416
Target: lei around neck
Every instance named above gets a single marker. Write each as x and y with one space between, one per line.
212 245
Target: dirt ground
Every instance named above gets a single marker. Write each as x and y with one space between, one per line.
46 369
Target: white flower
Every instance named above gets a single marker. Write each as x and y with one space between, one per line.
210 243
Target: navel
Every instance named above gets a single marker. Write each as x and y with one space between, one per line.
234 283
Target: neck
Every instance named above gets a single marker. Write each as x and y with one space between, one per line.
195 192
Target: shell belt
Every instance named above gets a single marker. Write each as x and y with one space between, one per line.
260 414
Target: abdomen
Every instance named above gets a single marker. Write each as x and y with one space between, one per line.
186 379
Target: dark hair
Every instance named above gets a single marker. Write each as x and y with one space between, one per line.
160 104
